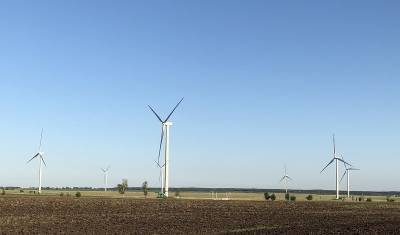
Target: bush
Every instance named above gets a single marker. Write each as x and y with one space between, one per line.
61 194
273 197
267 196
145 188
123 187
293 198
78 194
309 197
3 191
389 199
287 196
177 194
369 199
21 191
360 199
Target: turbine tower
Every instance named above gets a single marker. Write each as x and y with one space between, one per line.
165 125
105 172
347 172
286 178
39 155
336 159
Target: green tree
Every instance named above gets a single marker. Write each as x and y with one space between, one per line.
292 198
273 197
287 196
145 188
267 196
78 194
309 197
123 186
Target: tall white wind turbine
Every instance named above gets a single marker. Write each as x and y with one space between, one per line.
286 178
336 159
39 155
347 172
165 125
105 173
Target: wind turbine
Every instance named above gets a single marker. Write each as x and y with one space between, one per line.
105 172
165 125
39 155
336 159
286 177
348 169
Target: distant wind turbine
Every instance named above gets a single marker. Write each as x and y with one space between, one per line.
165 125
286 178
105 172
39 155
336 159
347 171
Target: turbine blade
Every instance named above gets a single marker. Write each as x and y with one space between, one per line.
343 176
160 176
158 164
327 165
344 161
108 168
41 157
161 141
155 113
176 106
353 169
289 177
102 170
345 164
282 178
33 158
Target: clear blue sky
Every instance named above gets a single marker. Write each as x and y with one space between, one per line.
264 84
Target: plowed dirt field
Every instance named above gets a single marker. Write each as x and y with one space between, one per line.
44 215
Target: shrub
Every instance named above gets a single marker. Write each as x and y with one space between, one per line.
267 196
61 194
360 199
177 194
369 199
287 196
78 194
122 187
309 197
389 199
293 198
21 191
3 191
273 197
145 188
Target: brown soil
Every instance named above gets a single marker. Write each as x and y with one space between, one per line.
43 215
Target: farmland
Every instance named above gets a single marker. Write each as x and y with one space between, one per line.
69 215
